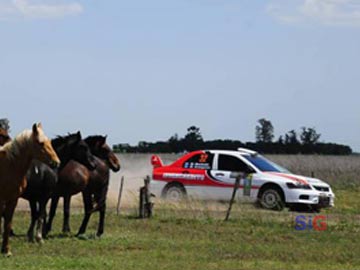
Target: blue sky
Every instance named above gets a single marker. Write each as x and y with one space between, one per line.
144 70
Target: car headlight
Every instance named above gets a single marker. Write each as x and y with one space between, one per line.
297 185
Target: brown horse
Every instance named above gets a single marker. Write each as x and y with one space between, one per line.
94 195
75 178
15 159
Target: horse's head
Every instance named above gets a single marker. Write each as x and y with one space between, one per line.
4 136
42 148
99 148
73 147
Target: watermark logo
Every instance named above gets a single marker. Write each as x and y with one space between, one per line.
317 223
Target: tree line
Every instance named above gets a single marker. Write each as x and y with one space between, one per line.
306 141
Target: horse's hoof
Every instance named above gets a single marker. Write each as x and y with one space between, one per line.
39 240
31 239
82 237
7 254
66 234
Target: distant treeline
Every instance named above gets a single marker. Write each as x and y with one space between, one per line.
306 142
265 148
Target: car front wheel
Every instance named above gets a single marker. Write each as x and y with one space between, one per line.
271 199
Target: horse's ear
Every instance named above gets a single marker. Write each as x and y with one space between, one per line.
35 129
78 134
104 140
39 125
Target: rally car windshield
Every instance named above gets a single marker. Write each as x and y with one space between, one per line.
265 165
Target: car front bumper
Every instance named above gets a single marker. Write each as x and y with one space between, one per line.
313 197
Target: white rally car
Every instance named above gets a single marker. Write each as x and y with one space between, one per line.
207 174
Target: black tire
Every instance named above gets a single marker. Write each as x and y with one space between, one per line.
174 192
271 198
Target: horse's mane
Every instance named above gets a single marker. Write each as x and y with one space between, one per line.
91 140
14 147
60 140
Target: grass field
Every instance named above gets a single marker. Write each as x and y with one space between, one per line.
193 235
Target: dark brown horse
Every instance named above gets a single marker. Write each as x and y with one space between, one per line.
15 160
4 136
42 179
75 178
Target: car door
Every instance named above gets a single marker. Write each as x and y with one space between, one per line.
194 171
225 165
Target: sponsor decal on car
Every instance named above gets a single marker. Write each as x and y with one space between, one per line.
184 176
290 177
196 165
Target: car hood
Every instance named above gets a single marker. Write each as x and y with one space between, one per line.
286 177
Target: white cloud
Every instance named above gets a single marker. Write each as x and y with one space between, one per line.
327 12
37 9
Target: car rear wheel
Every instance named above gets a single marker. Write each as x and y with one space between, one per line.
174 192
271 199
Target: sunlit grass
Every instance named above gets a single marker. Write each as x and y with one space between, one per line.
193 235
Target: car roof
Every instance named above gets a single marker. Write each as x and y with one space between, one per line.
240 152
231 152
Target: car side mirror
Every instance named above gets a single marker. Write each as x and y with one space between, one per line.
249 170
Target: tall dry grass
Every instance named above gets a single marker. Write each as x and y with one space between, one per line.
341 171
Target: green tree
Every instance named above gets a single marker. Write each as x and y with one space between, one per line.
193 140
193 134
309 136
143 146
175 143
291 137
264 131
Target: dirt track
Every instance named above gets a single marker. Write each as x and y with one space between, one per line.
134 168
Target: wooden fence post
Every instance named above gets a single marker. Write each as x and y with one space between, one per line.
120 194
238 176
146 206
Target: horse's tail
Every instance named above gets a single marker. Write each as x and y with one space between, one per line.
156 161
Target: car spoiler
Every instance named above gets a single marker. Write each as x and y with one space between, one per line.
156 161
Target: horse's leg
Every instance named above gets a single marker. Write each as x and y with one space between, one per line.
40 219
100 230
54 204
1 221
1 217
34 217
66 224
8 215
88 207
102 210
44 219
